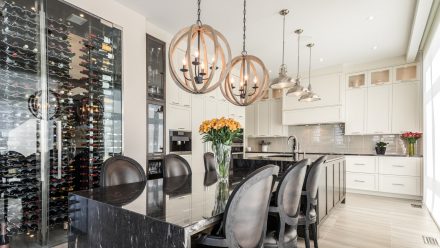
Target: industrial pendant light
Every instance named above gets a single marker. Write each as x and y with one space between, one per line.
196 74
251 73
283 80
297 89
309 96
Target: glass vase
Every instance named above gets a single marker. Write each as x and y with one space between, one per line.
221 199
222 155
411 149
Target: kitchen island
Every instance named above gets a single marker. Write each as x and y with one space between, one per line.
168 212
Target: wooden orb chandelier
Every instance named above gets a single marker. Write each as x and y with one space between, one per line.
199 57
251 74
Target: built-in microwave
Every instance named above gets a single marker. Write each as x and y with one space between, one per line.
180 142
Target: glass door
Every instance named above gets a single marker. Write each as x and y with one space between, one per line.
84 76
20 140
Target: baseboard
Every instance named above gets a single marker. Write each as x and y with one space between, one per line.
376 193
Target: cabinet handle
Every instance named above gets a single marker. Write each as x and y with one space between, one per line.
355 132
359 164
398 184
396 165
378 132
173 102
213 97
181 128
359 181
186 105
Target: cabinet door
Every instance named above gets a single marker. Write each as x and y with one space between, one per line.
222 109
250 121
198 147
263 118
210 108
322 195
275 117
184 98
355 111
406 107
379 109
173 93
337 184
179 118
330 187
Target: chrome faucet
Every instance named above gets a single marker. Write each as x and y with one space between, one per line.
295 147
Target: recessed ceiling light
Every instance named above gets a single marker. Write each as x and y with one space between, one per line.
321 59
270 71
374 47
370 18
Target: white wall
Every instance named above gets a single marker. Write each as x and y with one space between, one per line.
431 110
134 26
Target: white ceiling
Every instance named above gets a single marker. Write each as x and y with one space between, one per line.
340 29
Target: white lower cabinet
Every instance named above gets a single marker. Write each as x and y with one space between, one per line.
394 175
405 185
362 181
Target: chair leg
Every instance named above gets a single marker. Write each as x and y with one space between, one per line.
315 234
306 235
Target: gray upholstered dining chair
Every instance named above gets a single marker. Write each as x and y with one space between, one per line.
308 215
121 170
210 162
245 217
285 207
175 165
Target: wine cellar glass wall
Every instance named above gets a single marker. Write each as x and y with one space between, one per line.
60 109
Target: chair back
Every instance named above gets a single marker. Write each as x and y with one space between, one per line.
121 170
210 162
175 165
313 177
290 188
245 216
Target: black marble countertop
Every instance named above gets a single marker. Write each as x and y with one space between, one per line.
285 157
341 154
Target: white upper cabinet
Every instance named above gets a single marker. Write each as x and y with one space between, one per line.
355 111
177 96
379 109
406 107
179 118
237 113
275 115
357 80
382 76
406 73
251 127
328 87
263 126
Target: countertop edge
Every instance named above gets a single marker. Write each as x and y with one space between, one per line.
344 154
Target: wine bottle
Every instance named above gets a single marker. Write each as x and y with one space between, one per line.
4 240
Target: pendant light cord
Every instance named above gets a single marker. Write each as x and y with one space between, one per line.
310 65
244 52
297 74
199 12
284 33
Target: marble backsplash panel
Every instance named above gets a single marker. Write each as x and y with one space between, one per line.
330 138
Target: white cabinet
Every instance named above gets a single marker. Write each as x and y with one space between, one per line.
237 113
178 118
251 127
383 174
406 107
355 111
407 73
275 116
178 97
210 108
379 109
263 127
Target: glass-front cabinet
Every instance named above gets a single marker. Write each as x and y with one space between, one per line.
60 109
155 68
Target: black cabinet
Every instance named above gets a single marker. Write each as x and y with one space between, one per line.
337 182
322 195
330 186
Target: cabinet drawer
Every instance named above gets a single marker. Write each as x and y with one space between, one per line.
361 164
362 181
399 184
402 166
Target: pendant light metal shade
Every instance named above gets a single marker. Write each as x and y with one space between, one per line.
297 89
199 57
283 80
247 78
309 96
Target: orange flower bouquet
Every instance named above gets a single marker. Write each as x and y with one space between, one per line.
221 132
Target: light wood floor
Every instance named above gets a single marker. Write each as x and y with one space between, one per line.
376 222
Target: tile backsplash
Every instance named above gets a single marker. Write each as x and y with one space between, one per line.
330 138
